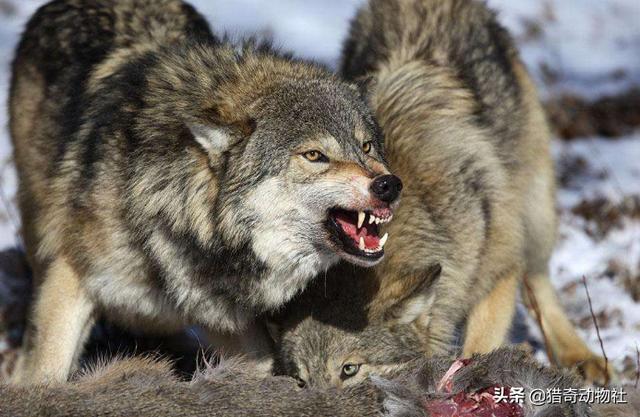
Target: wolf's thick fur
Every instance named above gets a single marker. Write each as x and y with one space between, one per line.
145 388
464 129
163 176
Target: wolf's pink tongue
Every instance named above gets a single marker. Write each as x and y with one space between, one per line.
348 227
370 241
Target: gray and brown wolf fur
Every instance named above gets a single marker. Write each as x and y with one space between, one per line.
146 388
463 127
164 174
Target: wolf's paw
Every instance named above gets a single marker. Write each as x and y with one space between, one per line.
595 370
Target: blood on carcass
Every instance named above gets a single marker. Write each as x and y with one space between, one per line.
480 403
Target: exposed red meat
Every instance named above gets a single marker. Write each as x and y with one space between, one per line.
474 404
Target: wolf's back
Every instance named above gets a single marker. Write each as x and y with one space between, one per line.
64 34
66 44
459 34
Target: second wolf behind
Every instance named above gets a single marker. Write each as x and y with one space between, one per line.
465 130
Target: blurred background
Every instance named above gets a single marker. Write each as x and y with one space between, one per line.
585 58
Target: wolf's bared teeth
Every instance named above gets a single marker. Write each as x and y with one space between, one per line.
377 220
361 244
361 216
383 240
372 218
375 250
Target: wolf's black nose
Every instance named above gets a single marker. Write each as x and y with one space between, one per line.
386 187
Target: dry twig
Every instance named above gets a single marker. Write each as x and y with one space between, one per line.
595 322
536 309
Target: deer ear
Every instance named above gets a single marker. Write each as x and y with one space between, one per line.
416 303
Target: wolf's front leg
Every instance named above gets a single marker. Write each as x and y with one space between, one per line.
447 312
491 318
488 325
61 320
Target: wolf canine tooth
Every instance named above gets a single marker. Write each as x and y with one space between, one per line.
361 244
383 240
361 217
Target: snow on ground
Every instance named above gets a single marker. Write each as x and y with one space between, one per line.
585 47
606 258
589 47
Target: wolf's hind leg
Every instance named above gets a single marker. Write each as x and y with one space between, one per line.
61 320
490 320
565 344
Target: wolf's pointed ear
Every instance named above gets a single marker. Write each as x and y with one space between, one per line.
215 140
416 303
364 85
218 135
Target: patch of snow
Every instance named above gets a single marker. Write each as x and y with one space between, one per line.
616 159
578 254
309 29
591 46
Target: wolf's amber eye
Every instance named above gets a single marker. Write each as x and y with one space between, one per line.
315 156
349 370
366 147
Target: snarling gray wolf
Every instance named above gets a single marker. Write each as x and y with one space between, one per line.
167 176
